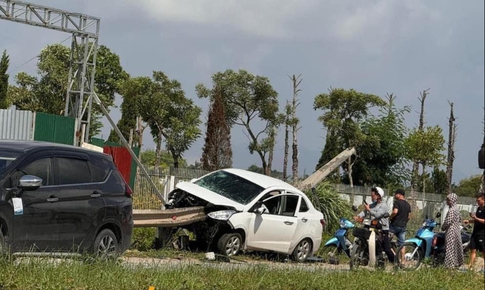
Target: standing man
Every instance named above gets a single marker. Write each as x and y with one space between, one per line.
379 210
401 213
477 241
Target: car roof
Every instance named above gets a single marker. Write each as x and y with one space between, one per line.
260 179
21 146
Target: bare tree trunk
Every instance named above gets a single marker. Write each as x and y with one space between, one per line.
349 170
287 146
295 103
158 150
451 148
415 168
272 136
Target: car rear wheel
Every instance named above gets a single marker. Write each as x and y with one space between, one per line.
106 245
230 244
302 251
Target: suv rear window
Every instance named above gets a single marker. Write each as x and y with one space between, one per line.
73 171
100 169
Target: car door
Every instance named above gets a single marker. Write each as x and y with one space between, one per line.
35 229
79 203
274 230
304 220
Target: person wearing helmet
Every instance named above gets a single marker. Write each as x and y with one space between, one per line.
378 209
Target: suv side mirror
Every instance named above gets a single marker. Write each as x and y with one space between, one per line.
29 182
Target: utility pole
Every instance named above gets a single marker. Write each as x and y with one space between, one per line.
84 45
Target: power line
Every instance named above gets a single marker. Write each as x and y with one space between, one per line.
10 71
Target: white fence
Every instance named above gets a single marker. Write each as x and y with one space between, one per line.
16 124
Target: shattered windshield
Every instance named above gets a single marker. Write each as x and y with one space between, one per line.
231 186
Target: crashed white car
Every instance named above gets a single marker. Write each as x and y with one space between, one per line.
251 211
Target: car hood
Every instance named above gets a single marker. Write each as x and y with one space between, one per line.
208 195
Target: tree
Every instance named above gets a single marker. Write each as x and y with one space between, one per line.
382 154
170 115
4 63
47 93
217 152
468 186
415 168
439 179
246 98
286 146
147 157
425 147
451 148
133 91
294 122
344 111
23 95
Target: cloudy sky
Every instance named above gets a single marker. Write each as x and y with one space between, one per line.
374 46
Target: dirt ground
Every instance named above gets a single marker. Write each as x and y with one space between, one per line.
238 263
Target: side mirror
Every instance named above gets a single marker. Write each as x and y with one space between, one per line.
260 210
29 182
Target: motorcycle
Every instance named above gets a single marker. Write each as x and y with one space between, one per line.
367 248
339 244
426 245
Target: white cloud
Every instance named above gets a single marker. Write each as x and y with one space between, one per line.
262 18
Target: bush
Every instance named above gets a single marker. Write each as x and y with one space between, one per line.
143 239
332 206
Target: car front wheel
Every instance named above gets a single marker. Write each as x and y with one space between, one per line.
3 244
230 244
106 245
302 251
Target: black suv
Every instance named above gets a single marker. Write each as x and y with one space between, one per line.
59 198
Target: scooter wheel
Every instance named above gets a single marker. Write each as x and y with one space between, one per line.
409 256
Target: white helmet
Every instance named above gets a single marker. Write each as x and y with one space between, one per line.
380 191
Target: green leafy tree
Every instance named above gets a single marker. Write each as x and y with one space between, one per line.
148 158
133 91
425 147
248 100
217 152
23 95
382 155
170 115
439 181
4 63
344 110
468 186
47 93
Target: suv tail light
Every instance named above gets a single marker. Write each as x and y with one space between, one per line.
128 191
322 222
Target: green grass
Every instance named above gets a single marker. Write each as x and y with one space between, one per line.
75 274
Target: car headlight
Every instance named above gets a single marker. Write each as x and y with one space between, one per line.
222 215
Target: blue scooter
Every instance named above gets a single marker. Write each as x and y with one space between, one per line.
425 244
338 244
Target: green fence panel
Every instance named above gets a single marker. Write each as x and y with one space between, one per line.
54 128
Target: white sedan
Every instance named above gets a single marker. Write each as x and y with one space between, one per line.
250 211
